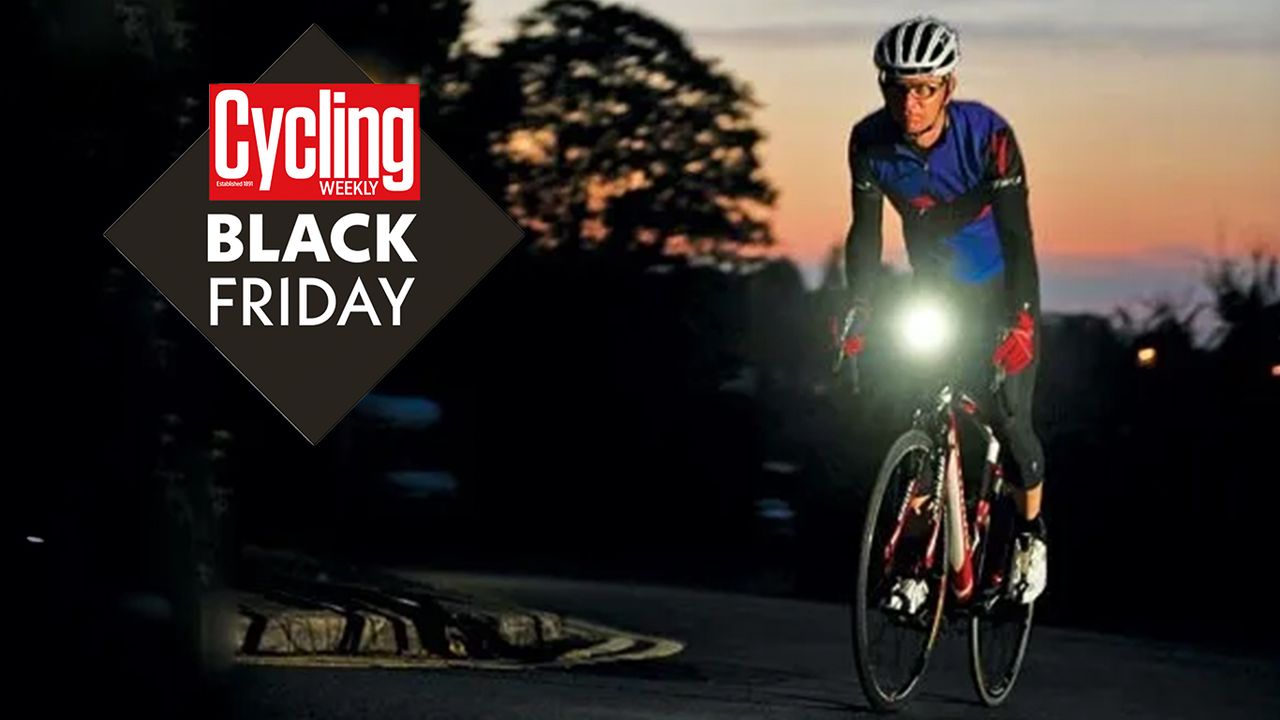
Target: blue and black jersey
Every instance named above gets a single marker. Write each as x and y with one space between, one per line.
963 203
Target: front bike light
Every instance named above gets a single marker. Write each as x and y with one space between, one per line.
925 328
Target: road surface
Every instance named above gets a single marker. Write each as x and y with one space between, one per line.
752 657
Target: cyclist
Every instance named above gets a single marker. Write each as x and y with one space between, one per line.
953 171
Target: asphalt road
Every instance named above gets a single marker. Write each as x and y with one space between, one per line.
752 657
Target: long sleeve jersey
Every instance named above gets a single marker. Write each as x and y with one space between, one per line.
963 203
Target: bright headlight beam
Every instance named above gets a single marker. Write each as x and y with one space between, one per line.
924 328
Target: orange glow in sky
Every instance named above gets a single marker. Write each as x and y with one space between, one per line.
1151 130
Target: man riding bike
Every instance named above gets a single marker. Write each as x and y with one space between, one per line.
953 171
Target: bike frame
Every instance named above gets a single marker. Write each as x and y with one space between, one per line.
938 420
940 423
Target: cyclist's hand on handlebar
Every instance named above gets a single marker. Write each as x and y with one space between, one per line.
848 333
1017 348
847 339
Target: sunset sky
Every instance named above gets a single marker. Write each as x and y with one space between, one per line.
1151 129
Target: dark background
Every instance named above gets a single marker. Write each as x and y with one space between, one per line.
604 404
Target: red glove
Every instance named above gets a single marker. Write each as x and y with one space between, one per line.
1017 349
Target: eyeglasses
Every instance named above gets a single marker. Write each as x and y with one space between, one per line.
919 91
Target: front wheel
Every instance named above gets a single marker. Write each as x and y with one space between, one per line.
999 628
897 608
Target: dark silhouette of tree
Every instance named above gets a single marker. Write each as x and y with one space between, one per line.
1245 293
607 130
1247 301
392 40
1165 326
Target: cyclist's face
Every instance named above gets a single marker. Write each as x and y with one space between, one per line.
916 102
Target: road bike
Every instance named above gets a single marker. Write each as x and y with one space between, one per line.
933 550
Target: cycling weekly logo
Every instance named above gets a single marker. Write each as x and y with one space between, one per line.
313 142
314 234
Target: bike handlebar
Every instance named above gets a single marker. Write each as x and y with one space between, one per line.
849 364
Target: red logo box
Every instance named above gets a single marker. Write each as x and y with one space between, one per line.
313 141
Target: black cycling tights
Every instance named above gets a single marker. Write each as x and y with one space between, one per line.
1017 436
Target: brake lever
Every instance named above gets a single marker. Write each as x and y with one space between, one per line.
843 335
997 391
849 319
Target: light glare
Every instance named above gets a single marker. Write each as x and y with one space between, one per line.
925 328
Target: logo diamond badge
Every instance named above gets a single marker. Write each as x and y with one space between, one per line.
314 301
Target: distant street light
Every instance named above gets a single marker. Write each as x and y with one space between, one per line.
1146 357
1275 371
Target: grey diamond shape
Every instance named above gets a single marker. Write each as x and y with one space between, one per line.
315 375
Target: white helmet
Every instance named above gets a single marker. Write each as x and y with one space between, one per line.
919 46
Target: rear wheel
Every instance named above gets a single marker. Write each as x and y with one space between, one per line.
897 608
999 628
